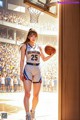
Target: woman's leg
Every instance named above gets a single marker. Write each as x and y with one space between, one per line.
36 90
27 88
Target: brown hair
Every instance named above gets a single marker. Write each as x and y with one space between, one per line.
31 32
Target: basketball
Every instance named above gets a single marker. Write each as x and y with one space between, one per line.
49 50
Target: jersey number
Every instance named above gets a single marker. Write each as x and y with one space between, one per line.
34 57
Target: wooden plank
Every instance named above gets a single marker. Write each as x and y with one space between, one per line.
70 61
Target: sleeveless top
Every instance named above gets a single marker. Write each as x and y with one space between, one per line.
32 53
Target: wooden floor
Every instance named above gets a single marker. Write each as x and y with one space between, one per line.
12 104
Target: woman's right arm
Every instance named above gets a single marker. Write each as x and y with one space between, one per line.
23 49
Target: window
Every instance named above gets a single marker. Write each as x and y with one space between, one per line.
16 8
1 3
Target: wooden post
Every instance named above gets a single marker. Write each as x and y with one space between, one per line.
69 61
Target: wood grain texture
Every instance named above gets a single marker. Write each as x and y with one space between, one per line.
69 68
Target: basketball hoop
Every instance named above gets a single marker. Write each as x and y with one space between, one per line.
34 15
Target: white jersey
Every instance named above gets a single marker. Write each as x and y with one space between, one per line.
32 54
32 70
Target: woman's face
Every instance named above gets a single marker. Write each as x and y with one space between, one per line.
33 38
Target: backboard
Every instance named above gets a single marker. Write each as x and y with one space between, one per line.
47 6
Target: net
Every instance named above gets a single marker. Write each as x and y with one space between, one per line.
34 15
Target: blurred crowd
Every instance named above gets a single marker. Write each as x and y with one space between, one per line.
13 17
10 83
24 19
49 73
9 67
8 33
3 34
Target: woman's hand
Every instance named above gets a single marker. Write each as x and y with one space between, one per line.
52 54
45 58
22 76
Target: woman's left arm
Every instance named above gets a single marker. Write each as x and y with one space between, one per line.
45 58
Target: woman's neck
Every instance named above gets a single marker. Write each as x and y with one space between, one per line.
32 44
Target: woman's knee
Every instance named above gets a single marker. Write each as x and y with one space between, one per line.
27 94
35 96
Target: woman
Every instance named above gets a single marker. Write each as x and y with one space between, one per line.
30 73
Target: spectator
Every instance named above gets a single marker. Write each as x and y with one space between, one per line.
11 83
15 83
8 81
2 82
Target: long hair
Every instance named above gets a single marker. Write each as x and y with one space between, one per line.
30 33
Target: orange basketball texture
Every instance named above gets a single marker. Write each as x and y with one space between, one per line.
49 50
